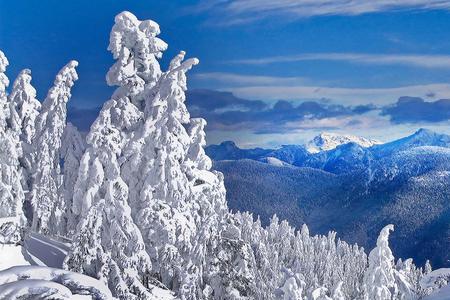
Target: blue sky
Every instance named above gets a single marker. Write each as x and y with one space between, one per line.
294 68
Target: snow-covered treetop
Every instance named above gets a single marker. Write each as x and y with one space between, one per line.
116 118
136 48
171 89
383 238
59 93
196 152
3 62
4 82
24 103
178 67
379 278
24 80
62 85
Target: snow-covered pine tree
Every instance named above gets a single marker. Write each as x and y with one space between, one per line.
11 193
101 197
50 125
23 99
135 47
154 170
108 245
320 294
26 107
379 279
72 149
232 269
176 200
208 206
338 294
291 286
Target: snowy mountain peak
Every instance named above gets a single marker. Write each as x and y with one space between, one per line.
328 141
424 134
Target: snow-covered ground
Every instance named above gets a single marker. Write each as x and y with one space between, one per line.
442 294
12 255
34 271
439 278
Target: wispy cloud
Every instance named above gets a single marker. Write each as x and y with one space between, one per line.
239 79
271 88
240 11
349 96
426 61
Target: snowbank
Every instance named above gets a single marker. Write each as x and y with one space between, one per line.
33 281
442 294
12 255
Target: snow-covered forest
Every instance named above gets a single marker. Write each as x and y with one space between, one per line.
143 213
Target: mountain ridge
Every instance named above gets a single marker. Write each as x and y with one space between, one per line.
354 190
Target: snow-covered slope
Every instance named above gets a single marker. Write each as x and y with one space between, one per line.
34 271
422 137
328 141
405 182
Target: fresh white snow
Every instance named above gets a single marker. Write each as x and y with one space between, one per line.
275 162
12 255
328 141
441 294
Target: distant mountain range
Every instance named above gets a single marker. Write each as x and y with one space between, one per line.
352 185
328 141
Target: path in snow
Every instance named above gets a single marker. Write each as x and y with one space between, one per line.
44 251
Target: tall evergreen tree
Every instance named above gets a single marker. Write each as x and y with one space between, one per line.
72 149
162 188
25 107
379 278
101 195
50 125
11 193
23 99
108 245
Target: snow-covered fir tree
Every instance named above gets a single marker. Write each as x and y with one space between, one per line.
379 278
135 47
101 195
208 204
11 192
26 107
72 149
23 99
165 218
50 125
108 245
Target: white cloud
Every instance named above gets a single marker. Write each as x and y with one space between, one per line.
239 79
355 96
239 11
426 61
269 88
